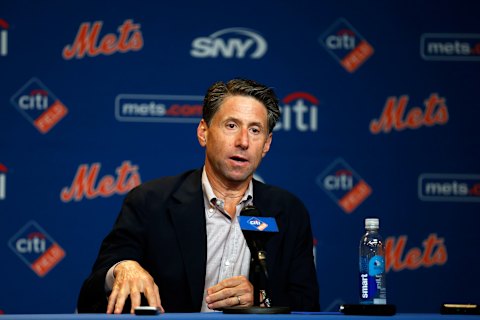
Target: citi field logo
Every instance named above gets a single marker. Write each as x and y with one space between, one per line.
88 42
3 37
300 112
449 187
230 43
86 183
158 108
343 185
36 248
39 105
450 47
3 181
346 45
394 115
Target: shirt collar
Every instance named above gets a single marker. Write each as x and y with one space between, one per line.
211 200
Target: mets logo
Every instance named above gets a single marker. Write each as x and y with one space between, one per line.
257 223
343 185
36 248
87 184
39 105
129 38
346 45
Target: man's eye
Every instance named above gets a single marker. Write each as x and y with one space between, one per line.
255 130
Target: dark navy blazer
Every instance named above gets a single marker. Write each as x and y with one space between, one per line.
162 226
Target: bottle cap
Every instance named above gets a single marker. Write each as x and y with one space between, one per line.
372 223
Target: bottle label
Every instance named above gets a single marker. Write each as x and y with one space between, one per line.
371 275
376 265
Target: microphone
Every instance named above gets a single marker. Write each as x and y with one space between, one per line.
257 230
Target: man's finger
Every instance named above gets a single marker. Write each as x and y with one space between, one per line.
159 301
135 298
122 296
227 302
227 283
152 296
111 300
119 304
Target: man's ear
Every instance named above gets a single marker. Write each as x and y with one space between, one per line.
202 133
266 146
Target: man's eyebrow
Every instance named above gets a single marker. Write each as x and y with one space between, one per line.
255 123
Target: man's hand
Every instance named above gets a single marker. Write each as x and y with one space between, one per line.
132 280
234 291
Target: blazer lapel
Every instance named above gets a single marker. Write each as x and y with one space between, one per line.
188 217
264 204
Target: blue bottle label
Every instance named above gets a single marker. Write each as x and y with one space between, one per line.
368 286
376 265
371 272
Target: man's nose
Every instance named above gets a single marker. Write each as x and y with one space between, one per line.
243 139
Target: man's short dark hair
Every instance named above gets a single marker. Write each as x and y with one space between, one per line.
217 93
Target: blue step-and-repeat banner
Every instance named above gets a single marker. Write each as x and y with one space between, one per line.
380 117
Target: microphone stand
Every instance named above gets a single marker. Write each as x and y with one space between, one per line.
260 279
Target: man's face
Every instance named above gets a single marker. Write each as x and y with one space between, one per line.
236 140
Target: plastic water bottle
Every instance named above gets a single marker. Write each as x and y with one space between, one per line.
373 288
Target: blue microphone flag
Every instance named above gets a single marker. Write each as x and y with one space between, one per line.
258 224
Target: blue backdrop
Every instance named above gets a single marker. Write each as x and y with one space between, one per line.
379 118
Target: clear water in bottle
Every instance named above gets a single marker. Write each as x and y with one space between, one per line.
373 288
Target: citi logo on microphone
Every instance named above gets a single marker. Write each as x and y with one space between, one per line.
263 224
257 224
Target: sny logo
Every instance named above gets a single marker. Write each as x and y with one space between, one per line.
300 109
230 43
39 106
86 42
3 181
343 185
36 248
3 37
346 45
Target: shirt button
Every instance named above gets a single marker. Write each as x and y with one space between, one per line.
227 263
210 210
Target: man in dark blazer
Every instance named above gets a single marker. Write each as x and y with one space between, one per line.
159 245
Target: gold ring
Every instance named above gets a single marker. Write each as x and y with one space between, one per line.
238 298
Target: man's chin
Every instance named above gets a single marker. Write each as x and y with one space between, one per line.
239 176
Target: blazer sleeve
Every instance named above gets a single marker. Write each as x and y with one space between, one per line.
124 242
303 283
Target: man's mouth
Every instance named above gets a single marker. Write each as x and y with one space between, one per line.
239 159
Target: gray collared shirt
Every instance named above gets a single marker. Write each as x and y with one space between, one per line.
227 251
